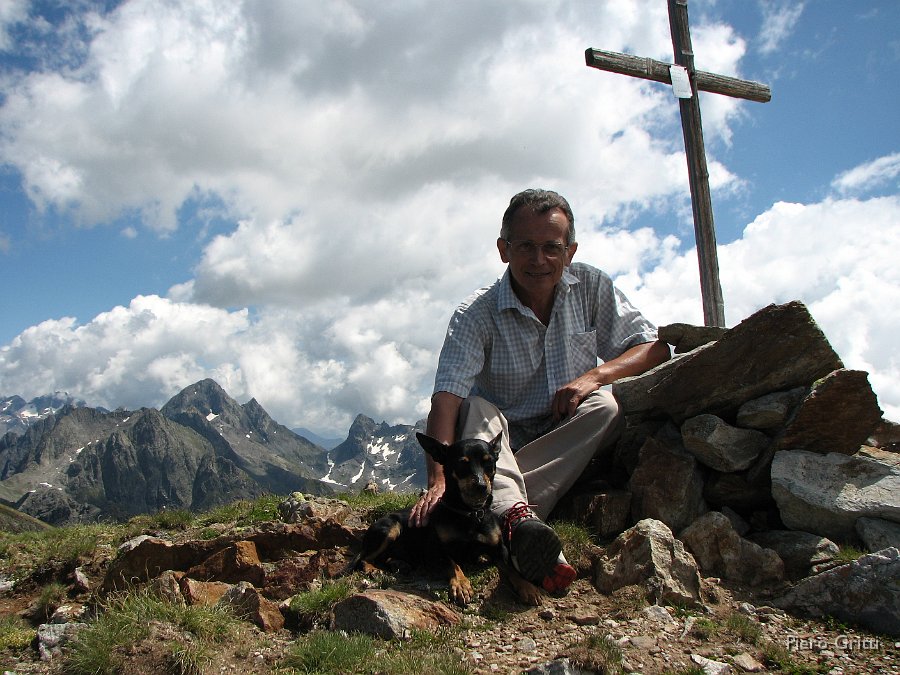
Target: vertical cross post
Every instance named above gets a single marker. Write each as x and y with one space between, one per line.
692 128
698 174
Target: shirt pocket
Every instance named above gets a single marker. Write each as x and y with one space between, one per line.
582 352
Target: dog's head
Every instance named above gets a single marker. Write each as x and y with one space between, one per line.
469 467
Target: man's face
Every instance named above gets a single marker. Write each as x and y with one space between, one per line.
534 272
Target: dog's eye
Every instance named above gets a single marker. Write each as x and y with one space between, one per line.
487 461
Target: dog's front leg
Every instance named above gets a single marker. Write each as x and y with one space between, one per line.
461 591
527 591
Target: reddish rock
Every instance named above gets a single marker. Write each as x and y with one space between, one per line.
202 592
390 614
273 540
285 578
249 604
238 562
168 586
147 557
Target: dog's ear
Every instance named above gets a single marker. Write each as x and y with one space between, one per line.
433 447
494 445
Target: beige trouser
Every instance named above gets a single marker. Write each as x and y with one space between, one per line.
542 471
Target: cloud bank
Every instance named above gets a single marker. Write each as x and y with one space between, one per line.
364 154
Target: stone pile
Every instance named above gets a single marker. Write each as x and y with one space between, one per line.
752 446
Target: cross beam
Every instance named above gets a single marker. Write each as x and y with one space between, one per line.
692 128
659 71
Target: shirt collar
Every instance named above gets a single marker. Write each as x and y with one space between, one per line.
507 298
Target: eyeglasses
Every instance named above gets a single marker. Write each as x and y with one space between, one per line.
526 247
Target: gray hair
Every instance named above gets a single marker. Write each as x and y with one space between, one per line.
540 201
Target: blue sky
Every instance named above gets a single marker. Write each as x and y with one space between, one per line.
291 197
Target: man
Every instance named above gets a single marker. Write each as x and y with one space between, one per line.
521 358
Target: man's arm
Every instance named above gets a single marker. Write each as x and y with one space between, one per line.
441 426
634 361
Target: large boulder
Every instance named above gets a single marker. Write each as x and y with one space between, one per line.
649 554
800 551
720 551
826 494
838 415
743 365
877 534
391 615
667 485
865 592
720 446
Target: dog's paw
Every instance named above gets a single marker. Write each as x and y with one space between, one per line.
461 591
370 570
527 591
530 594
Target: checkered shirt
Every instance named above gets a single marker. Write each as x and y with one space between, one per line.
497 348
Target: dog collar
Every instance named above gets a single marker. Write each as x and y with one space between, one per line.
475 514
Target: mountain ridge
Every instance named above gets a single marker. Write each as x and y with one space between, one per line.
201 449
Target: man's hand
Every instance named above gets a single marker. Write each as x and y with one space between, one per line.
423 508
441 427
569 396
634 361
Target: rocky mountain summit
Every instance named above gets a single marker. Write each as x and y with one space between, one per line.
201 449
387 456
17 414
749 465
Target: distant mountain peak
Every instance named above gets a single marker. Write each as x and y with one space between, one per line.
78 463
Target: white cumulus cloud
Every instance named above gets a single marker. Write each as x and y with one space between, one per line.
360 156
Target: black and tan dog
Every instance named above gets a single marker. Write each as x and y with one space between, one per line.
461 527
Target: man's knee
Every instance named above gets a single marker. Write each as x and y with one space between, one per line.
478 408
479 415
600 404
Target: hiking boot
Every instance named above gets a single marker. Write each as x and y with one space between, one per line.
535 550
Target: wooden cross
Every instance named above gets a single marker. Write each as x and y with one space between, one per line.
698 175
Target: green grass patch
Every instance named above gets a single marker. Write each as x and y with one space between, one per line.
744 628
51 597
577 542
168 519
777 656
848 553
705 629
597 653
126 619
374 507
330 653
15 633
243 512
189 659
628 601
21 553
313 607
324 652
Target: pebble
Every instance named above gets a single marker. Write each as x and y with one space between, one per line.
709 666
526 645
645 642
748 664
586 619
658 613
